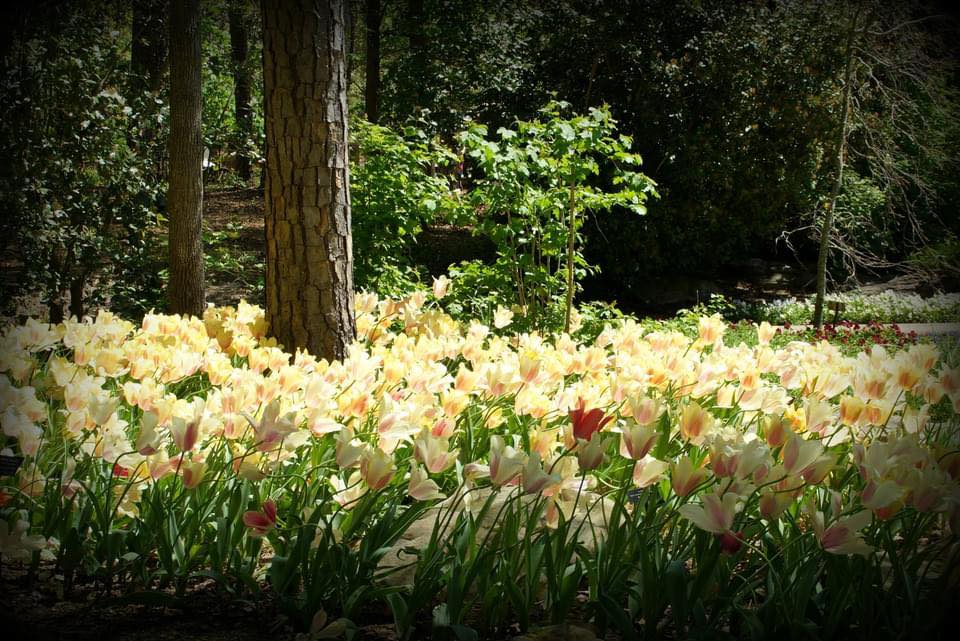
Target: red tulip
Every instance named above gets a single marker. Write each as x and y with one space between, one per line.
586 423
263 521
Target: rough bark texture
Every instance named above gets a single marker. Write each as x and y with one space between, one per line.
148 52
185 197
372 87
309 263
241 85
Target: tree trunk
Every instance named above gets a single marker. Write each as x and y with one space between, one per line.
185 196
76 296
309 278
372 88
241 86
571 256
148 52
418 45
827 226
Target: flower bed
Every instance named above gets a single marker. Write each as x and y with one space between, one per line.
885 307
642 480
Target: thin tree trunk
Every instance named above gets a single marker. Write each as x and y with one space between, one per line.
372 87
241 86
309 278
185 197
418 44
827 226
148 51
571 251
148 65
76 296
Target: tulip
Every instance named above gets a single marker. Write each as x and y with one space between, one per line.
799 453
534 479
590 453
765 332
192 471
440 287
711 329
505 462
645 410
587 422
502 317
843 537
376 468
348 450
715 514
421 488
434 452
637 440
262 522
648 471
695 423
684 477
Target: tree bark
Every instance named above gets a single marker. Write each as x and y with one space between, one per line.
372 87
827 226
309 278
185 195
148 52
241 86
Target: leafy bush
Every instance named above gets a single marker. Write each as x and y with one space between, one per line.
78 193
399 184
532 187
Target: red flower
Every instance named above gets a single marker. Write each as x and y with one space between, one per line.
120 471
586 423
730 542
261 522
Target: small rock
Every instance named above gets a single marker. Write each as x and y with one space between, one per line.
560 632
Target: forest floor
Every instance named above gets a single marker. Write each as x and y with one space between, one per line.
36 610
235 253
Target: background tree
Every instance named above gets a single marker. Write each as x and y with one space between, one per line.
309 279
371 93
186 285
76 196
239 57
841 147
148 44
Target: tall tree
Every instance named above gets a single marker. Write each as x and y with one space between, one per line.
241 85
374 18
841 148
148 51
309 278
185 197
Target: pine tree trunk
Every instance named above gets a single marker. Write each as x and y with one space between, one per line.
309 278
241 86
185 196
372 87
827 227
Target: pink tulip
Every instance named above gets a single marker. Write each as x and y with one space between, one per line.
261 522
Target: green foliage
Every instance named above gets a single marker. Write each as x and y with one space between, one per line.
398 185
221 134
532 186
79 194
